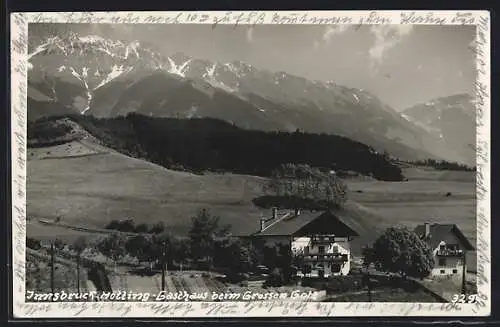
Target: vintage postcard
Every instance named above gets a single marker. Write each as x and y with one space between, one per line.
250 164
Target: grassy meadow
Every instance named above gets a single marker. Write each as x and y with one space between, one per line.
91 188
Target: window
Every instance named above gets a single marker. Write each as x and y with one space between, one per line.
442 247
442 262
335 249
321 249
442 271
454 271
335 268
306 250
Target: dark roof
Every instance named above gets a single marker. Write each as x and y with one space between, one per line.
438 232
336 220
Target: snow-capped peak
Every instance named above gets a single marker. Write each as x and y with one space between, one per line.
210 71
178 69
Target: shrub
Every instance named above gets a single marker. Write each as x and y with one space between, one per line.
276 278
141 228
33 243
157 228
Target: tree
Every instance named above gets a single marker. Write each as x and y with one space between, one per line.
204 233
164 243
33 243
141 228
140 246
298 261
180 250
301 186
114 224
276 278
237 255
157 228
79 245
113 246
400 251
59 244
127 225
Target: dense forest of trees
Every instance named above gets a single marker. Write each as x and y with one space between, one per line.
444 165
303 187
200 145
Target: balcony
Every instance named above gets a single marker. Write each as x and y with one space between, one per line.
326 257
445 252
322 239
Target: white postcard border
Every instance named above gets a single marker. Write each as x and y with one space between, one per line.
19 61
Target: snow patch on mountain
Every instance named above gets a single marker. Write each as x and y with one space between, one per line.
355 96
417 123
115 72
82 78
134 46
38 50
209 77
232 68
91 39
178 69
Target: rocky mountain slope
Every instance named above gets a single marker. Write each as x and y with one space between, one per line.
106 78
452 119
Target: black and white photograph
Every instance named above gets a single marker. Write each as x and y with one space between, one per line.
313 162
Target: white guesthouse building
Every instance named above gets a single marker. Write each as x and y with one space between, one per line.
320 239
449 246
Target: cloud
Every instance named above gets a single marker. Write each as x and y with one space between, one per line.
250 34
333 30
328 33
386 37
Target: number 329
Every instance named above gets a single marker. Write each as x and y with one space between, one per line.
462 298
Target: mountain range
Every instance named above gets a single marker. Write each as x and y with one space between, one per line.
106 78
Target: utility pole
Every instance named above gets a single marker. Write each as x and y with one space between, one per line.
52 268
367 283
78 272
464 274
163 254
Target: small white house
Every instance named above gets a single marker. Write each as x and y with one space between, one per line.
449 246
321 240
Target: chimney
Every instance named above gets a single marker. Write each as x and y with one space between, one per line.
297 212
275 213
427 228
262 224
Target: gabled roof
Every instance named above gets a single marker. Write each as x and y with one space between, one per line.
333 221
438 232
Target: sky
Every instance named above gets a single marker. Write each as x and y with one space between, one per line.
402 64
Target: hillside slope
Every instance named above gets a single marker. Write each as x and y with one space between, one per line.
92 190
107 78
452 119
201 145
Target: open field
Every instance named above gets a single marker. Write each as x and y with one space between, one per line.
423 199
95 189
